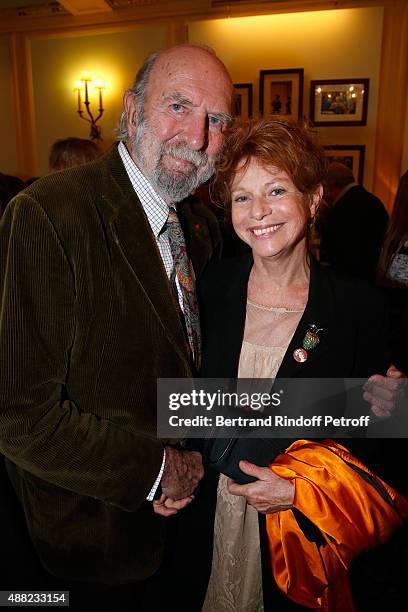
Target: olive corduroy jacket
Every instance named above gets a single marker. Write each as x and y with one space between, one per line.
88 324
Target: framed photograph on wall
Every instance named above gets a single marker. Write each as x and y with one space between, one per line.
339 102
242 101
281 93
351 156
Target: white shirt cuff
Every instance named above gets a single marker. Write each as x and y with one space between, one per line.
153 490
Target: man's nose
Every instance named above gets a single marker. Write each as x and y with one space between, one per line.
196 132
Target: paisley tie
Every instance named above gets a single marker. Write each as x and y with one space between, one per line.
185 275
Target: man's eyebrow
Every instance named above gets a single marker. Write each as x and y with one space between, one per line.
180 98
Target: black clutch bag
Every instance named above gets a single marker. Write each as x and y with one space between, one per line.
224 454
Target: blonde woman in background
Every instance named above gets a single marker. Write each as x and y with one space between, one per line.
393 271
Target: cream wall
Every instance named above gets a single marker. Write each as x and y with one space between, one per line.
58 63
8 150
326 44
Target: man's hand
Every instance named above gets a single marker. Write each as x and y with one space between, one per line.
382 392
270 493
167 507
183 471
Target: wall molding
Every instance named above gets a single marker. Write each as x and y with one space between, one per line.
23 103
144 11
392 102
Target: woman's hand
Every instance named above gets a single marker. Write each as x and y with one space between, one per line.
270 493
165 506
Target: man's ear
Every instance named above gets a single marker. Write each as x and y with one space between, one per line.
129 103
316 199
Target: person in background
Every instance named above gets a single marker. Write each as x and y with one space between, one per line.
9 187
31 180
98 302
353 233
68 152
393 272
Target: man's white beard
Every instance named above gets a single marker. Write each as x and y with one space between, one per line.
171 186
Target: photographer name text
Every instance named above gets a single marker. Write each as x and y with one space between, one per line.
269 421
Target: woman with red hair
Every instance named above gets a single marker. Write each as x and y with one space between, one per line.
277 313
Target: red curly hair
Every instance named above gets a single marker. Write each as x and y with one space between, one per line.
287 146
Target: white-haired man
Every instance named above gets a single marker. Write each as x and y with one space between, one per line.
93 312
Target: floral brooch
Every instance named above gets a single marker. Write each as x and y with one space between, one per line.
310 341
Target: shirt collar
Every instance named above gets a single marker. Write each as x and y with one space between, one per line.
156 209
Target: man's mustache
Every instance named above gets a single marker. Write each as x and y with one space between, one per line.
198 158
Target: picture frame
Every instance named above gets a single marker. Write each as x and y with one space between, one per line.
352 156
242 103
281 93
339 102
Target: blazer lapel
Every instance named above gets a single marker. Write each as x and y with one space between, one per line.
201 232
234 314
317 312
235 310
130 230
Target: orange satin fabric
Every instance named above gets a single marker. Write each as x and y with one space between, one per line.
351 514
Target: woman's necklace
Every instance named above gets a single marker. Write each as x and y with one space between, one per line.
289 297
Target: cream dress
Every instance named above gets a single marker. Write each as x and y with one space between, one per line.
235 584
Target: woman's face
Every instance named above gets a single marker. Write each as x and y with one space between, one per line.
268 212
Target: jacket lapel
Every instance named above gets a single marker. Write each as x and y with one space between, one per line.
131 232
201 232
233 316
318 310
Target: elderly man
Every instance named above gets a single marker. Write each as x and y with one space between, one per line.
98 302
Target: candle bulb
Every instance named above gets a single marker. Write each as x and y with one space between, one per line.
100 84
87 100
77 88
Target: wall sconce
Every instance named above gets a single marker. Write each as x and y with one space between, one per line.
83 86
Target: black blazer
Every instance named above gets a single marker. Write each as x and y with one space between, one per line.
353 315
354 343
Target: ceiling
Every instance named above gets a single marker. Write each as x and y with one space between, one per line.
26 15
76 7
19 3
